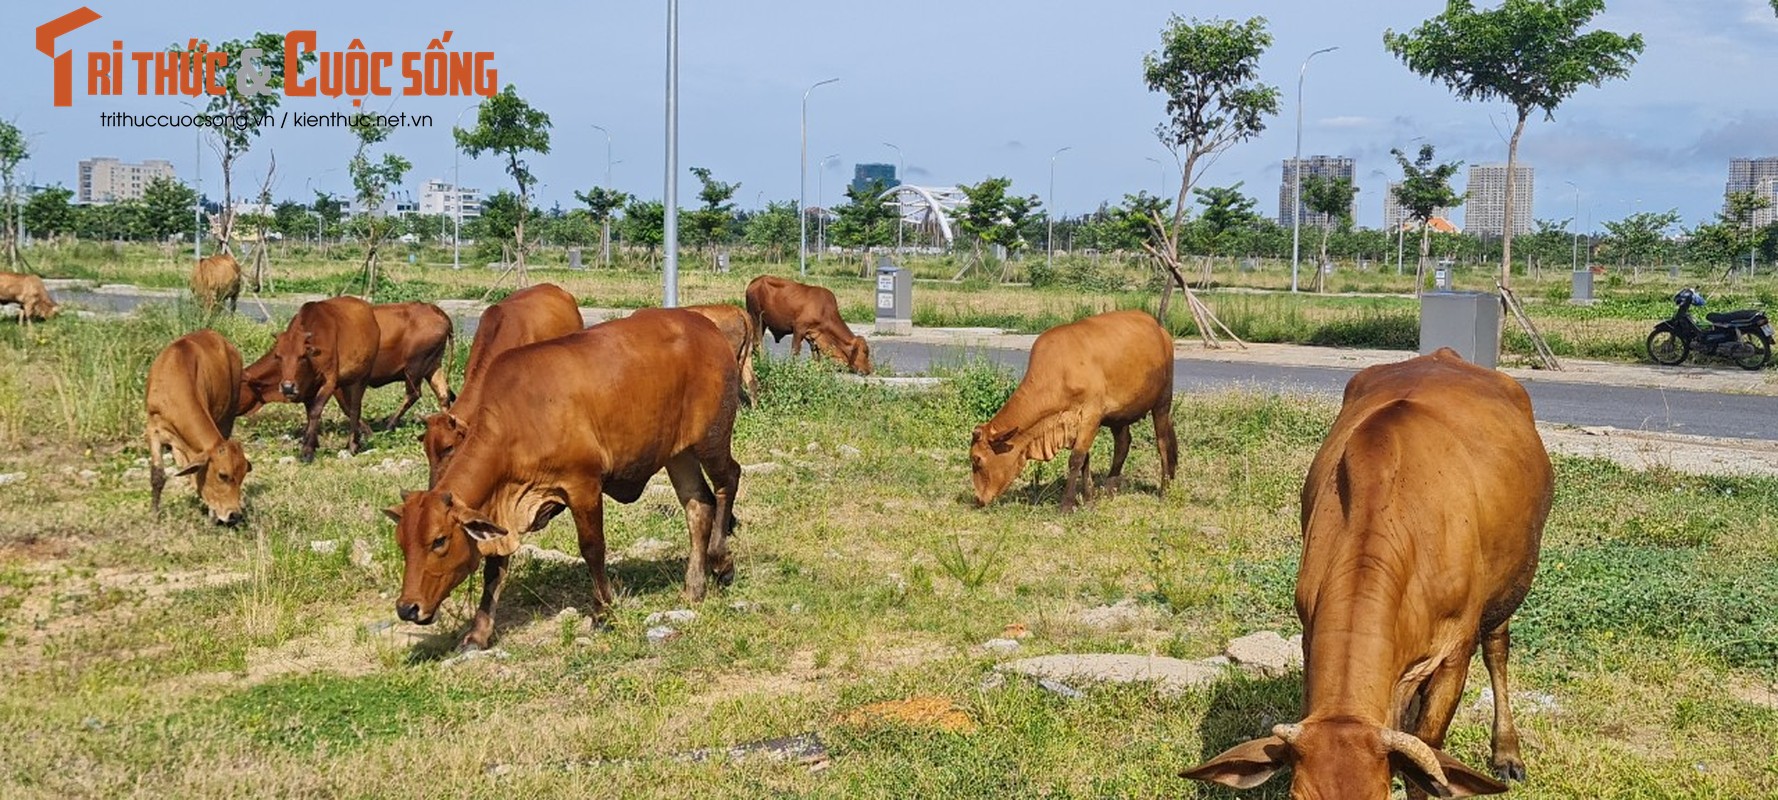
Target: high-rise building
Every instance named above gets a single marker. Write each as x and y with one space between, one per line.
1485 205
440 197
108 180
1332 167
863 174
1395 214
1757 175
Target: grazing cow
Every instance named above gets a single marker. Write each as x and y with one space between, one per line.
1422 515
191 408
576 418
327 351
413 340
737 325
214 279
1110 370
534 314
29 293
808 313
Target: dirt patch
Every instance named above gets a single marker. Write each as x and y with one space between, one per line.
1693 455
915 712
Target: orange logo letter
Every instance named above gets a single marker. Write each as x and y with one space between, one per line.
46 44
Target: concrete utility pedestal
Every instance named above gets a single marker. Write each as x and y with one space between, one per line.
1468 322
895 299
1583 288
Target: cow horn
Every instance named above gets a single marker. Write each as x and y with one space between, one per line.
1415 750
1289 733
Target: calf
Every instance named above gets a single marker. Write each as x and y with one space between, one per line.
327 351
29 293
576 418
1110 370
191 408
736 324
1422 516
809 313
214 279
534 314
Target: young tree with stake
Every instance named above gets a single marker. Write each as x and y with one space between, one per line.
507 126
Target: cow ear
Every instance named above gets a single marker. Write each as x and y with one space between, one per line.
1002 437
192 467
455 423
1245 765
393 512
1458 780
490 538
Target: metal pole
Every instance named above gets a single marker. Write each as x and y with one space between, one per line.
821 203
1574 252
670 233
900 178
1296 210
1400 233
1049 235
197 211
457 195
605 230
802 187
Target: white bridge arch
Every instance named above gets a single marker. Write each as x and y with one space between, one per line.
928 207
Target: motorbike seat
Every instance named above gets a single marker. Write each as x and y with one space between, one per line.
1732 317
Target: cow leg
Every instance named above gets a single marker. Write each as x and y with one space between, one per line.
1168 443
1506 760
1438 703
481 629
725 475
413 396
796 342
312 431
1078 462
749 380
700 515
157 477
441 389
1120 450
351 400
589 525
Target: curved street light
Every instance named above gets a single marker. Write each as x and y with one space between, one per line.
802 186
1296 209
821 204
1049 236
457 190
605 232
901 163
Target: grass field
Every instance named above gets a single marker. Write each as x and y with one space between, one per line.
172 658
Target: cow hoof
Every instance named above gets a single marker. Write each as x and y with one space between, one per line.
307 458
467 646
726 578
1510 769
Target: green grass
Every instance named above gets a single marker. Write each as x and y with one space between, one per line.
170 657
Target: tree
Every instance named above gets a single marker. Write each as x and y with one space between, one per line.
990 216
13 151
371 181
1733 235
1226 213
508 126
773 229
291 219
48 212
865 220
1529 53
645 224
709 225
601 204
246 105
1425 189
167 208
1332 199
1641 236
1209 73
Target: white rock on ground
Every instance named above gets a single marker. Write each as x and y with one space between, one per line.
662 634
1001 646
848 451
762 468
7 478
547 555
325 546
1266 652
1523 702
1122 615
678 616
1168 675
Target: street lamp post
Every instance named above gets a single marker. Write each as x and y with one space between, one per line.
197 209
900 177
802 187
670 228
821 204
457 194
605 233
1574 252
1296 210
1049 236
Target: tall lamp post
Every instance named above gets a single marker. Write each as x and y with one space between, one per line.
1049 236
197 209
605 233
457 192
1574 252
670 230
900 178
821 204
802 187
1296 210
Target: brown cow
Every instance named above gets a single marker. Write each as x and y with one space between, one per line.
736 324
191 408
578 417
534 314
327 351
1110 370
809 313
1422 515
29 293
414 338
214 279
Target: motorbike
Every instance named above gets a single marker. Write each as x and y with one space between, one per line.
1744 337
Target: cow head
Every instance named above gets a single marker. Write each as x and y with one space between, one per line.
442 540
993 461
858 356
1343 758
291 354
444 434
44 308
219 472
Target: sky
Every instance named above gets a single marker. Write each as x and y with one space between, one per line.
965 90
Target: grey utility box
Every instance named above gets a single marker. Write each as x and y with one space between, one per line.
1468 322
895 299
574 258
1583 287
1441 276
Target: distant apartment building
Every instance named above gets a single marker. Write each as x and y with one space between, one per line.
1395 215
1757 175
863 174
440 197
1485 206
108 180
1332 167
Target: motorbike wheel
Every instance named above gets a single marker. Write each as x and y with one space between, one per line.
1752 352
1666 348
